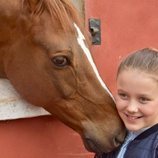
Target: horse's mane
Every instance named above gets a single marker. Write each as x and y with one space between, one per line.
62 10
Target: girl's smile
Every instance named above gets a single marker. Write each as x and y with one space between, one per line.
132 118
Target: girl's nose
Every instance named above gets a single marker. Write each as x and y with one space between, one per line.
132 107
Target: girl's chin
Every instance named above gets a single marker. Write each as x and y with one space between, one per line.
133 128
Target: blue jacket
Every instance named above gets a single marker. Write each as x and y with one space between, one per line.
144 145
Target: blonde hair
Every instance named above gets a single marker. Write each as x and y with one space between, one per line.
145 60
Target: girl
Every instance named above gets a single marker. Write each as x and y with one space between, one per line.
137 105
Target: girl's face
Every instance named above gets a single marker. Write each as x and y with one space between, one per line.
137 99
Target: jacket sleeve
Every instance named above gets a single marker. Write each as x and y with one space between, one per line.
156 153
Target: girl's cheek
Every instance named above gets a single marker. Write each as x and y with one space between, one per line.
120 104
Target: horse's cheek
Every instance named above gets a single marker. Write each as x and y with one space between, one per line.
65 81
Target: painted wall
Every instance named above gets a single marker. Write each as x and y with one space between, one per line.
126 25
41 137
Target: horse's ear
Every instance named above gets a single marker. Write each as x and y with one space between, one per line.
32 5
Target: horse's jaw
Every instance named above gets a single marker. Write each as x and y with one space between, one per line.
12 106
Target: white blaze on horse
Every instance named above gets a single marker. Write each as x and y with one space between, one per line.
44 54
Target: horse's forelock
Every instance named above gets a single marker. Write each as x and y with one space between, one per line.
62 11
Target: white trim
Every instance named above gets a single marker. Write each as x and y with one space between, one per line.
12 106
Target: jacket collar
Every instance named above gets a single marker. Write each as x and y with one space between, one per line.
148 132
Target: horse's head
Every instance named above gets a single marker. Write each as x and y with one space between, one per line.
45 56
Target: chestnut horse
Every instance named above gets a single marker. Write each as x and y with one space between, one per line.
44 53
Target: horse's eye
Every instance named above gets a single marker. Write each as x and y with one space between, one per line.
60 61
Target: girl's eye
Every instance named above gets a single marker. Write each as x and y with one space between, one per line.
123 96
143 100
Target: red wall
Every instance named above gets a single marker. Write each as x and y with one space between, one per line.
41 137
126 25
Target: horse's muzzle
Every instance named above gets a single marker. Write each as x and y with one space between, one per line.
97 147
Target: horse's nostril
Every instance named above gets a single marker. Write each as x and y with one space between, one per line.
117 141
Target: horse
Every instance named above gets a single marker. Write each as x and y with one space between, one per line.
44 53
